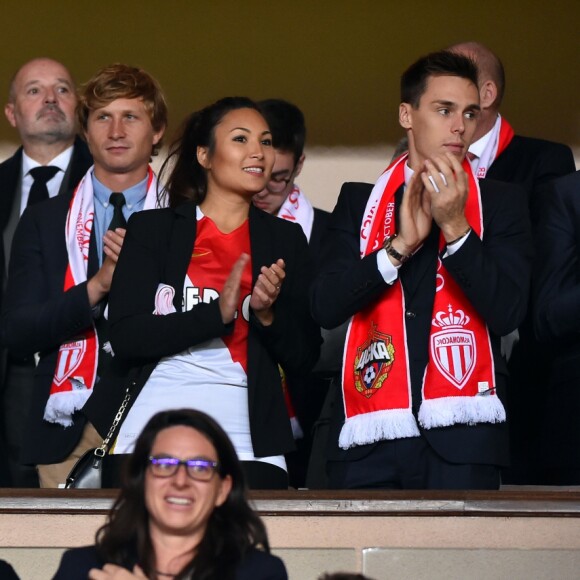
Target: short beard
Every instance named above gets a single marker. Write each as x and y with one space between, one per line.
58 134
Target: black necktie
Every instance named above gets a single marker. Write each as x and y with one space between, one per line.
117 200
41 175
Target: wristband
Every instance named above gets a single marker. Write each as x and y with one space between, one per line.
459 238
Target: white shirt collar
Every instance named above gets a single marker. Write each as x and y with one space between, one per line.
61 161
478 147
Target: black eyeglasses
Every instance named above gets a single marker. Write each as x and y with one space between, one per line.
278 185
197 468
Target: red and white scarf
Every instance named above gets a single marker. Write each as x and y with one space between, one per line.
499 138
297 208
76 365
458 384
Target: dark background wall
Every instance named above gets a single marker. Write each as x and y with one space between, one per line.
339 60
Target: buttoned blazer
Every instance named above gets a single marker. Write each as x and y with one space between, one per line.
157 249
494 274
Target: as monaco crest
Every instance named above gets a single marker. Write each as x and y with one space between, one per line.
69 360
373 362
453 348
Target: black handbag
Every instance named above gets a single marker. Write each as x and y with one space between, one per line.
87 472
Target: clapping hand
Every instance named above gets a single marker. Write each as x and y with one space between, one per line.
266 291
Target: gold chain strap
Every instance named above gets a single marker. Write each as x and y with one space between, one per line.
102 450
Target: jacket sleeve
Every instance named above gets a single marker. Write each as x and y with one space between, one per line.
293 339
75 564
136 333
346 283
557 281
494 272
38 314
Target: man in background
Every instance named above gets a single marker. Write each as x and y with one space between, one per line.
63 258
50 162
283 197
498 153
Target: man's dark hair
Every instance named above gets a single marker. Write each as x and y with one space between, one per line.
286 122
436 64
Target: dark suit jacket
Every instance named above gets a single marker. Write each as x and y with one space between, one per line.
532 163
557 319
7 571
157 249
39 316
256 565
494 275
321 220
10 175
311 389
10 171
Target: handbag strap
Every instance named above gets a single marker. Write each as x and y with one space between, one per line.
102 450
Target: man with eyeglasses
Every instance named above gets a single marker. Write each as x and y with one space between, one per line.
283 198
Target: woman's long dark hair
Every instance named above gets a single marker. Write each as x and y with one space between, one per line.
184 178
232 529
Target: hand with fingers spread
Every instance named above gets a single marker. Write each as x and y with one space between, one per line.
230 295
99 285
266 291
448 186
414 217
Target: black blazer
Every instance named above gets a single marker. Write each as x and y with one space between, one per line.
557 318
10 171
7 572
532 163
38 317
321 220
257 565
157 249
494 274
39 241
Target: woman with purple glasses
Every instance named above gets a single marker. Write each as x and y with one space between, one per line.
182 512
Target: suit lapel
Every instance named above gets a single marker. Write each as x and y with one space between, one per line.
181 245
9 185
260 242
79 164
261 247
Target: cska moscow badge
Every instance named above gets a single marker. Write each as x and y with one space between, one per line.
373 362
